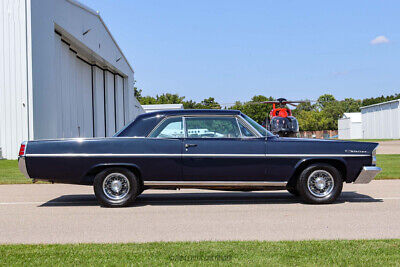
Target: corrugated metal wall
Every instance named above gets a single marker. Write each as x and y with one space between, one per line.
46 91
344 128
381 121
13 77
99 107
90 99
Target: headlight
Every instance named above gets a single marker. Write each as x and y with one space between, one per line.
374 157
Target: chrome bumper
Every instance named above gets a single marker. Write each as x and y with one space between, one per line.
367 174
22 167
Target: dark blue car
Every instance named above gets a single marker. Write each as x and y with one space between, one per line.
206 149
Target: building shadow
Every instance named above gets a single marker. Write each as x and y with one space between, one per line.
206 198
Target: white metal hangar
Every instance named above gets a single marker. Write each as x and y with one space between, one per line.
350 126
62 74
381 121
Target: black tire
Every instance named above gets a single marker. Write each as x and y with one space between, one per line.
130 186
313 195
293 191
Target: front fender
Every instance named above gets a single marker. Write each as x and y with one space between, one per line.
339 163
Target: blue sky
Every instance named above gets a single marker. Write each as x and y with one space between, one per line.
233 50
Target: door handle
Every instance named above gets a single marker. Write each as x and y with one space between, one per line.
190 145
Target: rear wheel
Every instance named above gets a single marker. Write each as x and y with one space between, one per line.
115 187
320 184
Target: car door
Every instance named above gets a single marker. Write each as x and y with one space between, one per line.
163 151
215 149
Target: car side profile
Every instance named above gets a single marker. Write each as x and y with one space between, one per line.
204 149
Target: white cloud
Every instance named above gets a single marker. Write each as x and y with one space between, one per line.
381 39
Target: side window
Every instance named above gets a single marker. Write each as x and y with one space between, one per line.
212 127
170 128
245 132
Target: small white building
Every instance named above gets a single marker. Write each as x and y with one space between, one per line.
62 74
350 126
152 108
381 121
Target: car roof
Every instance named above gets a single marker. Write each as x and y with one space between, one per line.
192 112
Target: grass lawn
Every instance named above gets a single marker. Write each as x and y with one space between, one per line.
10 174
299 253
390 165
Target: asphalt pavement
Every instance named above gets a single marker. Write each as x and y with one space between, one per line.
45 213
389 147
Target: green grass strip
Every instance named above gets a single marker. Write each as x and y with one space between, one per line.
10 174
299 253
390 165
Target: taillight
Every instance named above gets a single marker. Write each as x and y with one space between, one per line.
22 149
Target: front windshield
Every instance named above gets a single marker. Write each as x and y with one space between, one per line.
257 126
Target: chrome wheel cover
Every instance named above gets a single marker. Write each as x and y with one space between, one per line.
116 186
320 183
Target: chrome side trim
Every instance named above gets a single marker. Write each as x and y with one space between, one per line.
198 155
212 183
67 155
367 174
314 155
22 167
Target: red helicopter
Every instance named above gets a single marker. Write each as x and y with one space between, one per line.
280 120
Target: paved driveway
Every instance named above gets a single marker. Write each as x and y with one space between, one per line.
389 147
70 214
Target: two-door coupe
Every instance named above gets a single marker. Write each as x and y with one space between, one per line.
206 149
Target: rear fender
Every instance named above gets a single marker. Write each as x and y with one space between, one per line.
89 177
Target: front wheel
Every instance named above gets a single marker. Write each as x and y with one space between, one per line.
320 184
115 187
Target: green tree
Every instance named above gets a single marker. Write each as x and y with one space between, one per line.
325 100
137 93
208 103
190 104
255 109
351 105
379 99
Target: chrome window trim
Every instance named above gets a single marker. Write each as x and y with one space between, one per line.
161 122
207 116
249 127
184 127
240 131
246 125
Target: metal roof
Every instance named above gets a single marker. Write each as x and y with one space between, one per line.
151 108
97 14
353 116
191 112
383 103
